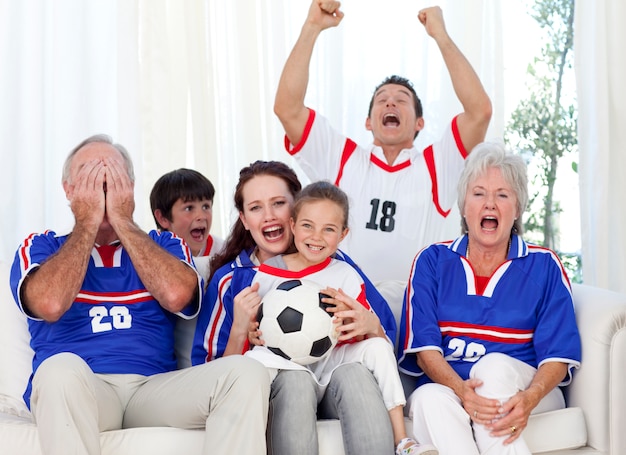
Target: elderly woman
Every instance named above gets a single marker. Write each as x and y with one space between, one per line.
488 324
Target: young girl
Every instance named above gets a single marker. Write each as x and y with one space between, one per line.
264 197
319 223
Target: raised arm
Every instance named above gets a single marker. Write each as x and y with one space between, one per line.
474 120
289 102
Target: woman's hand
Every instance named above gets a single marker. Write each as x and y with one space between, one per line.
245 308
515 412
514 416
502 419
480 409
354 321
254 335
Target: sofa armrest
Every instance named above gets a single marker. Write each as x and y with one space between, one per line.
598 386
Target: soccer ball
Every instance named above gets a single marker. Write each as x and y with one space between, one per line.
295 323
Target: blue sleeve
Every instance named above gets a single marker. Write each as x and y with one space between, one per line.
216 316
214 320
177 247
556 335
375 299
33 252
173 244
419 327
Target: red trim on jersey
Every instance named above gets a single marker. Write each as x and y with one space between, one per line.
362 298
25 247
207 247
209 347
305 135
429 157
126 298
556 259
348 149
283 273
107 253
385 167
481 283
457 138
407 298
186 248
485 332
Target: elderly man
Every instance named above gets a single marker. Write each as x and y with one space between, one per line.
102 302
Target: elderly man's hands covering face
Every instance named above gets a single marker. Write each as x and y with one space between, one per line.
86 195
119 192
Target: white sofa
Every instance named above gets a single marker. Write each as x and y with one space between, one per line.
595 422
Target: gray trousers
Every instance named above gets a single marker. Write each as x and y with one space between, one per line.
352 396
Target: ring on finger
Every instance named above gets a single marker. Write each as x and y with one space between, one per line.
513 429
475 413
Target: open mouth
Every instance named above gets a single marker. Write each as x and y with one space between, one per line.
391 120
489 223
198 234
273 232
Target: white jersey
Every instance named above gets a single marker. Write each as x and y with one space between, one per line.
213 246
395 210
375 353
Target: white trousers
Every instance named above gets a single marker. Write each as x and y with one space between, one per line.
440 419
376 354
227 397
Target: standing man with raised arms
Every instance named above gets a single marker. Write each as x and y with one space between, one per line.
399 195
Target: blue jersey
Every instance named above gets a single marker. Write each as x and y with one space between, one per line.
526 310
114 324
216 317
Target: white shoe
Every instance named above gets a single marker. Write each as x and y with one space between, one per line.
409 446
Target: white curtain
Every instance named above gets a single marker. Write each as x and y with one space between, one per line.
601 74
191 83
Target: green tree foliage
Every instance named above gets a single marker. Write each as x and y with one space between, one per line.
543 126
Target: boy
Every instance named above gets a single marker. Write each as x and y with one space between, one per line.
182 202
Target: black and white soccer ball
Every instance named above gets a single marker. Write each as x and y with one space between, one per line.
295 324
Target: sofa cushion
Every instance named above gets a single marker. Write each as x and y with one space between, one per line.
15 352
20 436
556 430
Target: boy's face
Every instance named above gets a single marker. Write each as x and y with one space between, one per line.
191 220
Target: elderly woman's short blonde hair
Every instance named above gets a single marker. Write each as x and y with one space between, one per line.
513 168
